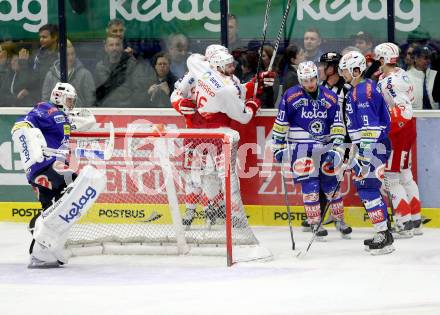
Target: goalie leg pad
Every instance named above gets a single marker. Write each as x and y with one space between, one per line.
77 199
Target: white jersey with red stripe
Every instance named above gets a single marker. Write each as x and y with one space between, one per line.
219 98
398 93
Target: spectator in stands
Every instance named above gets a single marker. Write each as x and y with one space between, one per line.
120 80
45 58
270 93
348 49
234 42
162 84
425 80
116 27
407 59
312 44
248 62
293 56
77 75
177 45
364 42
14 84
3 62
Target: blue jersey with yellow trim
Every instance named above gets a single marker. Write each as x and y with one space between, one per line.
55 127
367 115
302 119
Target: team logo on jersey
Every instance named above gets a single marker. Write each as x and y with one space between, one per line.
328 169
59 119
316 127
315 113
43 180
303 166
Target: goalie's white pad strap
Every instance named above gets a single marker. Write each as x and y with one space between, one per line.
79 196
29 142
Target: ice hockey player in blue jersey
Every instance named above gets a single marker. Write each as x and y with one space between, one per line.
368 123
42 137
307 124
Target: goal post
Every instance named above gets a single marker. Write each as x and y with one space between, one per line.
156 179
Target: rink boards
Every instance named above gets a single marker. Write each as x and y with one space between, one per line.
159 214
261 185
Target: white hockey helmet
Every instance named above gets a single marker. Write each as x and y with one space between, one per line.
353 60
307 70
211 50
221 60
388 51
63 95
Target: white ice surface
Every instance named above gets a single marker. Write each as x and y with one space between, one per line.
336 277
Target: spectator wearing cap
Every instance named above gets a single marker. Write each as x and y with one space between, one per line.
425 80
364 42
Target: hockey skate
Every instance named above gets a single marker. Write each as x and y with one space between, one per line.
305 226
188 218
381 244
344 229
417 227
36 263
403 230
321 233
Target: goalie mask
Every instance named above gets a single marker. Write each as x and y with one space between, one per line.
388 51
63 96
223 62
213 49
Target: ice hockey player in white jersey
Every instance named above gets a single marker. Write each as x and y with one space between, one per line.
219 98
397 91
42 137
182 101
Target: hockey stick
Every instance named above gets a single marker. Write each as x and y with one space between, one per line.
280 33
105 154
286 199
323 215
260 52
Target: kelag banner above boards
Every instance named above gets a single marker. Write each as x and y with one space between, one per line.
259 177
21 19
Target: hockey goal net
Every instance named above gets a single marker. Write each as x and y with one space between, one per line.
167 192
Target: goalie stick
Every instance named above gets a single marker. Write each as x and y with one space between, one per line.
105 154
153 217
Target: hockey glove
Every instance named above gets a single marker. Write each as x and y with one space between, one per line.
278 151
267 78
186 106
360 167
334 157
253 105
